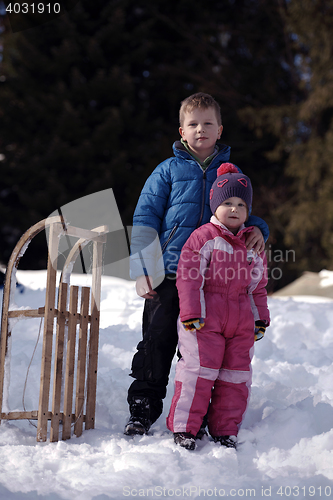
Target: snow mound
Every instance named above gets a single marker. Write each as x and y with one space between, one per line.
286 441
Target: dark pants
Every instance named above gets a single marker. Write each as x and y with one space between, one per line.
152 362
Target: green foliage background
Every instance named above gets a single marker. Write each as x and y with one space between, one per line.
90 101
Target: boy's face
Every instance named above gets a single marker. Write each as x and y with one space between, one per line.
232 213
201 131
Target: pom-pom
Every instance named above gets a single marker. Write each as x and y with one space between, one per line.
227 168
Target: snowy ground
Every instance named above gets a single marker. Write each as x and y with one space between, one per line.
287 435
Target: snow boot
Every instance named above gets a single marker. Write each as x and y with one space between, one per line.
202 431
185 439
228 441
139 421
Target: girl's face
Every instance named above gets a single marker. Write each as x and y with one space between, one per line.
232 213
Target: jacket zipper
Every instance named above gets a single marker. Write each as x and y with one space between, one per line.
203 198
173 230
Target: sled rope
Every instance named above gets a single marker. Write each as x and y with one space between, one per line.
28 369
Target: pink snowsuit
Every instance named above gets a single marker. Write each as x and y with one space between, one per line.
220 281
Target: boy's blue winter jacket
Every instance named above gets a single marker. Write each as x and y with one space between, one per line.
174 202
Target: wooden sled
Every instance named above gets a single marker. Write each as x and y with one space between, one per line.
73 317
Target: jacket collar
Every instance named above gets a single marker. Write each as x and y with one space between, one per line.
222 154
242 230
205 164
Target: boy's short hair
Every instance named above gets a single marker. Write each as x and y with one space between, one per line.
199 100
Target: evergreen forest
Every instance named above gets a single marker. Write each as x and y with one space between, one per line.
89 100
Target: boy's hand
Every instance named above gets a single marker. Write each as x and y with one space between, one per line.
193 324
255 240
144 287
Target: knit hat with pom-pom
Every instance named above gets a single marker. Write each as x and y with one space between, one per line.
229 183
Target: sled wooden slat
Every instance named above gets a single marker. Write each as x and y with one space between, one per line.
81 363
37 313
31 415
94 335
20 415
58 362
26 313
70 362
45 377
86 234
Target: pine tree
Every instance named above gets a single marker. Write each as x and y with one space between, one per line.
91 99
303 125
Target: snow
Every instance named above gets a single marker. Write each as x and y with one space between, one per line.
326 278
286 438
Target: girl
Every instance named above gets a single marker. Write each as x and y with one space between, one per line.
223 309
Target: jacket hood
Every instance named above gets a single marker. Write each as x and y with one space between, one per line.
180 151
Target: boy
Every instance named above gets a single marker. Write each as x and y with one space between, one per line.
174 202
222 295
